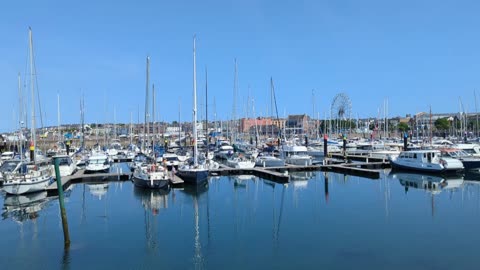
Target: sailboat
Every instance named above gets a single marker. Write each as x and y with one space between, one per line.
36 174
194 173
148 174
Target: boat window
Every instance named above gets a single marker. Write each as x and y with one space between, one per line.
425 155
415 155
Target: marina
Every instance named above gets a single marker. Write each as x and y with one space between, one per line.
239 135
232 217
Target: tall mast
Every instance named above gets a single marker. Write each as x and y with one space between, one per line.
20 113
195 149
476 113
145 125
82 119
58 116
115 122
206 109
153 118
234 113
179 124
33 134
130 133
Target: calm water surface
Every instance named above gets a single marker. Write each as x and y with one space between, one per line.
397 222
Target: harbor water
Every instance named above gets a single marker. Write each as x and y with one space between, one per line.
317 221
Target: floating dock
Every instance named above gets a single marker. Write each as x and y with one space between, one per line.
369 168
81 177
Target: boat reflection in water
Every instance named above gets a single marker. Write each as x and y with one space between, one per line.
241 181
152 199
197 192
98 190
300 179
431 183
25 207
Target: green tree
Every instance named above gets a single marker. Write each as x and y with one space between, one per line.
442 124
402 126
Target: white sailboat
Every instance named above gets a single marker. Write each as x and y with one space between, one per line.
194 173
33 176
148 174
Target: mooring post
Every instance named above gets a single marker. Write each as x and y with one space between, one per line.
345 146
66 234
325 148
32 152
67 146
405 142
326 187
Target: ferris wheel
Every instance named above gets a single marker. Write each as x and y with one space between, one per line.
340 113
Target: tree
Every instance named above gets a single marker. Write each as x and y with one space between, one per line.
442 124
402 126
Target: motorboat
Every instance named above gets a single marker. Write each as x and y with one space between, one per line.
469 162
7 156
269 161
240 162
296 155
66 165
98 163
170 160
430 161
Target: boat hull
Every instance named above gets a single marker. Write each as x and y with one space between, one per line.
193 176
23 187
443 171
150 184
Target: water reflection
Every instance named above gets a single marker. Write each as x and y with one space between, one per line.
98 190
299 180
152 201
430 183
196 192
24 207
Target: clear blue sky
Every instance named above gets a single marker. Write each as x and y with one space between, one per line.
415 53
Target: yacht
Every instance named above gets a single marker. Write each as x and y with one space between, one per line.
21 177
225 150
98 163
66 165
170 160
469 162
296 155
269 161
430 161
7 156
150 176
240 162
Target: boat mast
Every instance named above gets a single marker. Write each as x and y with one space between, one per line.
145 125
179 124
58 115
82 118
195 149
33 132
234 114
476 113
153 118
20 113
206 112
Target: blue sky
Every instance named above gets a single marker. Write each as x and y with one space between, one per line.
415 53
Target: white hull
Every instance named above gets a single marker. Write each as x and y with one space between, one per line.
244 164
299 160
28 185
